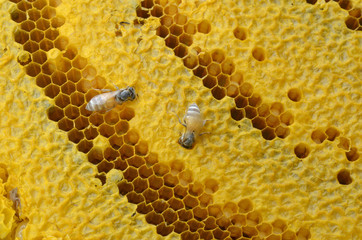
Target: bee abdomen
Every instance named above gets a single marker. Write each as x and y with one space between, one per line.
193 110
95 104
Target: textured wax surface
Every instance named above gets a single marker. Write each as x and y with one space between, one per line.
279 82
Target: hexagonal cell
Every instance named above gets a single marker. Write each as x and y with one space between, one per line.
190 61
276 108
121 127
303 234
200 213
57 21
27 25
253 218
90 133
43 80
96 119
190 28
249 231
165 193
110 154
162 31
55 113
171 9
68 88
232 90
250 112
71 112
89 72
235 232
237 114
352 23
107 131
48 12
136 161
40 4
142 13
61 43
74 75
238 220
81 123
204 59
145 172
214 69
166 21
223 80
211 185
209 81
39 57
241 33
144 208
17 16
127 114
344 177
219 234
42 24
48 67
65 124
130 174
344 143
196 189
263 110
51 34
318 136
204 27
228 67
345 4
21 36
265 229
155 182
282 132
279 226
62 100
223 222
289 235
268 133
131 137
295 94
356 12
180 227
135 198
190 202
332 133
75 136
185 177
51 91
58 78
33 69
181 51
245 205
171 41
33 14
218 55
157 11
200 72
154 218
273 237
150 195
184 215
272 121
180 192
246 89
258 54
77 99
46 45
120 164
218 93
259 123
79 62
352 155
237 78
210 223
31 46
176 30
84 146
194 225
302 150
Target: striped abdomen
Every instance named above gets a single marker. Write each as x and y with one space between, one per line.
101 102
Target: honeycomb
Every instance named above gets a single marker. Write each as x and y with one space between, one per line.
280 82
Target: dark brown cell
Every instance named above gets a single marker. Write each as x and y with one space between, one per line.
268 133
130 174
18 16
250 112
218 93
121 127
120 164
127 114
135 198
43 80
84 146
170 216
186 39
210 223
295 94
31 46
184 215
175 203
71 112
110 154
171 41
223 222
165 192
48 68
209 81
344 177
58 78
62 100
163 229
318 136
55 113
240 33
33 69
40 4
136 161
154 218
200 213
200 72
52 91
34 14
157 11
180 227
302 150
332 133
145 172
90 133
144 208
95 156
105 166
259 123
237 114
150 195
68 88
176 30
282 132
272 121
155 182
159 206
39 57
160 169
223 80
190 202
352 155
126 151
204 27
42 24
36 35
162 31
124 187
241 102
51 34
181 51
46 45
27 25
21 36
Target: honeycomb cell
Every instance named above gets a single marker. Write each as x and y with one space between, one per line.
356 12
31 46
207 235
332 133
126 151
344 143
344 177
120 164
196 189
249 231
165 193
218 93
246 89
79 62
145 172
135 198
62 100
235 232
258 54
166 21
214 69
204 59
89 72
140 185
302 150
184 215
151 159
24 58
232 90
237 78
130 174
190 61
273 237
200 72
287 118
170 180
33 69
295 94
48 12
155 182
186 177
171 41
75 136
250 112
48 68
81 123
236 114
39 57
194 225
204 27
215 210
352 23
345 4
289 235
170 216
57 21
142 13
141 148
77 99
116 142
33 14
282 132
190 28
21 36
136 161
180 192
190 202
180 19
238 220
272 121
95 156
131 137
42 24
58 78
228 67
171 10
90 133
46 45
268 133
71 52
255 100
51 34
259 123
18 16
157 11
253 218
223 80
162 31
303 234
180 227
96 119
55 113
65 124
245 205
39 4
311 1
176 30
352 155
61 43
163 229
265 229
219 234
279 226
68 88
276 108
241 33
110 154
181 51
210 223
84 146
51 91
154 218
218 55
27 25
175 203
144 208
127 113
318 136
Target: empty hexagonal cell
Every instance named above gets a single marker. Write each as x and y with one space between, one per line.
43 80
81 123
311 1
318 136
71 112
150 195
48 12
196 189
345 4
161 169
75 136
154 218
130 174
106 130
171 41
65 124
211 186
238 220
61 43
302 150
90 133
36 35
259 123
235 232
135 198
352 23
185 177
155 182
241 102
223 222
151 159
89 72
241 33
265 229
200 213
273 237
282 132
159 206
186 39
121 127
162 31
209 81
79 62
51 91
51 34
180 191
176 204
62 100
27 25
68 88
190 202
228 66
218 55
214 69
258 54
303 233
268 133
140 185
263 110
237 78
180 19
287 118
96 119
136 161
171 9
120 164
249 231
46 45
55 113
145 171
77 99
250 112
42 24
116 142
237 114
344 177
332 133
200 72
144 208
184 215
57 21
190 28
33 14
210 223
218 93
344 143
110 154
39 57
272 121
131 137
127 113
253 218
180 227
215 210
39 4
31 46
352 155
181 51
17 16
255 100
194 225
176 30
33 69
166 21
245 205
165 192
58 78
223 80
279 226
170 216
157 11
21 36
204 27
84 146
142 13
74 75
48 67
295 94
232 90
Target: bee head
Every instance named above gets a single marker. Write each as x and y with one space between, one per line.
126 94
187 140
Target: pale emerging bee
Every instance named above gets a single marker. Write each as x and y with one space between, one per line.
193 122
107 101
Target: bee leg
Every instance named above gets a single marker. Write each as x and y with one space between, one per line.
206 121
204 133
179 120
115 86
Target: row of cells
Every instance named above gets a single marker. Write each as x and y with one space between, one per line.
218 72
354 20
